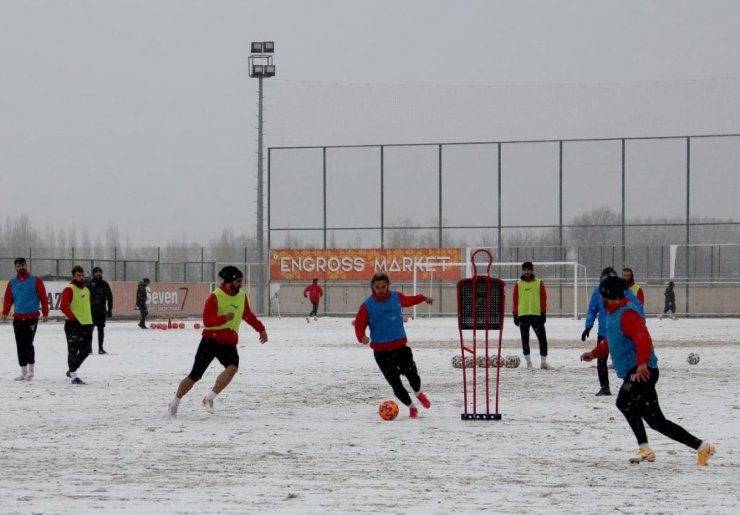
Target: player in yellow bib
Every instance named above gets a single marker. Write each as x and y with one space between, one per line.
223 313
78 328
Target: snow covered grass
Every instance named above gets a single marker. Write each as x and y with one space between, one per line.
297 430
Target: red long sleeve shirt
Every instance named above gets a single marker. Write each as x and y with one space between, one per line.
211 318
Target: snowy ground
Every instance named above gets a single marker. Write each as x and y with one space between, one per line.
297 430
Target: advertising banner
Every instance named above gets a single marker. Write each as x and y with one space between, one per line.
163 300
361 264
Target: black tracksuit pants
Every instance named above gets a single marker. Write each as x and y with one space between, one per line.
396 363
79 343
25 332
602 369
638 401
535 322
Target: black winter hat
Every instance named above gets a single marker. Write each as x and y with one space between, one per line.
609 271
97 269
613 287
145 280
230 273
527 265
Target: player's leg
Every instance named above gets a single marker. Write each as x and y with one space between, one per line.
541 333
389 367
602 370
228 356
407 367
629 400
203 357
524 323
653 415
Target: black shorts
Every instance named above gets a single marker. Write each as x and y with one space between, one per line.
208 349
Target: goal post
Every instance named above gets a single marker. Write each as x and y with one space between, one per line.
424 274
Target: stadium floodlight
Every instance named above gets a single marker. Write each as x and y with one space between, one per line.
258 70
261 67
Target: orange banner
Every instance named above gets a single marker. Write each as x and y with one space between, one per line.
361 264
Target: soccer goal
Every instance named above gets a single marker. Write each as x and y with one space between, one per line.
427 277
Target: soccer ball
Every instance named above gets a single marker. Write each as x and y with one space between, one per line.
388 410
457 361
481 361
693 358
512 361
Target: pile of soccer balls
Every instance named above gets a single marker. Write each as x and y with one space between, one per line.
693 358
511 361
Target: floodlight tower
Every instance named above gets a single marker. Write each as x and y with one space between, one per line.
261 67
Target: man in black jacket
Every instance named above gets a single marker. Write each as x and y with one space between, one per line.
101 304
141 302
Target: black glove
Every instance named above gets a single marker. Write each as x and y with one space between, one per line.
109 313
543 317
516 320
585 334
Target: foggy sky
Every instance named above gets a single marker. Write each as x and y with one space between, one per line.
141 113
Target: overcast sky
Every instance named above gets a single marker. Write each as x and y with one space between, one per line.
141 113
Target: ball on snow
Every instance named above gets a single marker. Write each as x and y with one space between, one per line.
512 361
693 358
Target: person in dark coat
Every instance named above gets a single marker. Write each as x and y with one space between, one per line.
141 301
670 302
101 303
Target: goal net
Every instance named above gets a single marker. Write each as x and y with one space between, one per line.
566 283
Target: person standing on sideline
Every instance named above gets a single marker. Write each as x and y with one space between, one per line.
597 310
382 312
141 302
78 328
223 313
670 302
101 302
314 293
633 354
629 276
530 310
24 293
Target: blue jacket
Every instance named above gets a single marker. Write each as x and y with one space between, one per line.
623 349
596 309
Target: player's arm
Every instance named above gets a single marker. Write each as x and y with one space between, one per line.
7 300
600 351
41 291
634 328
413 300
66 303
361 322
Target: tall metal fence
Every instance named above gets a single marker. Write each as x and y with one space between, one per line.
626 201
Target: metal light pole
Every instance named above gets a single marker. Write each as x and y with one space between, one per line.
260 67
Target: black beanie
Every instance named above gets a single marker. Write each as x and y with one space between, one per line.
613 287
527 265
609 271
230 273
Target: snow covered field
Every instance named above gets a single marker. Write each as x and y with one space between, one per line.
297 430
